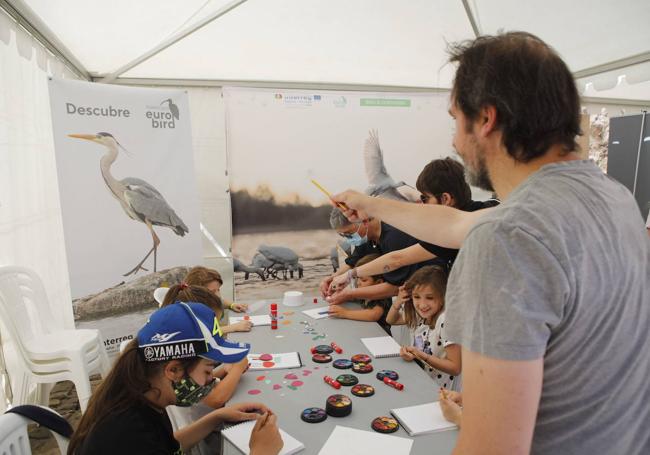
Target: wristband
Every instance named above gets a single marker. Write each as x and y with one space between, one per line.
230 305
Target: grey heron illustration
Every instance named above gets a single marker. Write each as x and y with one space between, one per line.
172 108
239 266
334 258
139 200
282 259
381 184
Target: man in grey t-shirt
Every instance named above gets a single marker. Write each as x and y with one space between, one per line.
550 295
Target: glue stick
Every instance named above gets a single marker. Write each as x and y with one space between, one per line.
274 316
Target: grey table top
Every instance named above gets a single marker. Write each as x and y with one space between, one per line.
288 403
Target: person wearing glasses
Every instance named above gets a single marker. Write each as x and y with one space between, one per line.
441 182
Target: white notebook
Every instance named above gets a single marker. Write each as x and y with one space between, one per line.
277 361
350 441
257 320
317 313
422 419
240 434
382 346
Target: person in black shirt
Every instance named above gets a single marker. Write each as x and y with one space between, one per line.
386 239
170 362
441 182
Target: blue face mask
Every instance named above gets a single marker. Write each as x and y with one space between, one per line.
356 240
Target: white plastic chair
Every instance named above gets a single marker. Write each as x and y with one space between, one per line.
14 439
159 295
48 354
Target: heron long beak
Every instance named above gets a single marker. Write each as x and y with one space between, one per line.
88 137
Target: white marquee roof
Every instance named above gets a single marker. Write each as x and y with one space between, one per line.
371 42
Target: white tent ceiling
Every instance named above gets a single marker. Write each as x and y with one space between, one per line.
372 42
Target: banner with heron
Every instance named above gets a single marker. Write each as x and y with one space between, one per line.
279 140
129 198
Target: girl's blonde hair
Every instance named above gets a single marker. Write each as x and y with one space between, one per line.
431 275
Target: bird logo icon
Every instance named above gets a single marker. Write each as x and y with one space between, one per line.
172 108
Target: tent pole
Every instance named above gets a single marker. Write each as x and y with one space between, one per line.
613 65
170 41
470 16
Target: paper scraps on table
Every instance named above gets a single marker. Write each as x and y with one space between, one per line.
290 376
254 392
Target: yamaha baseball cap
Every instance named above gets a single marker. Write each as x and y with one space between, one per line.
185 330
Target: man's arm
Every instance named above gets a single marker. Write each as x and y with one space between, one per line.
500 401
374 292
438 224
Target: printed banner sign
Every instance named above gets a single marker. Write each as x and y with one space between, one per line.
129 198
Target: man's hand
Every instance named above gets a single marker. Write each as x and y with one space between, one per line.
356 203
265 437
339 282
336 311
325 285
339 297
451 405
406 354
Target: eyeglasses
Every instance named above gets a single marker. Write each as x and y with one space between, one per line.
349 235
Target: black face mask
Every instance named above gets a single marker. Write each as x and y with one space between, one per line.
189 393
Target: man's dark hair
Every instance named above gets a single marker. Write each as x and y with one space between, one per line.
445 176
532 89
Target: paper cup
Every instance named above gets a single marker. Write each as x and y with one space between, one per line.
293 298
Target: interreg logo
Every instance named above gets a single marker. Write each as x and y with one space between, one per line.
164 337
340 101
163 116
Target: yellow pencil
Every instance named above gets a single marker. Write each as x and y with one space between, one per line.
341 205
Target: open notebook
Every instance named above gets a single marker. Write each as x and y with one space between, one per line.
240 434
350 441
381 347
257 320
274 361
422 419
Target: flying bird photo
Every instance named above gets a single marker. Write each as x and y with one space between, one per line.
140 200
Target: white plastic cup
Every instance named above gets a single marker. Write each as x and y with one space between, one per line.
293 298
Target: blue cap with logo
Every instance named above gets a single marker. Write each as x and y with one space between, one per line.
184 330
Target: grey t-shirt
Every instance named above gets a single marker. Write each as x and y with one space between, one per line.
561 270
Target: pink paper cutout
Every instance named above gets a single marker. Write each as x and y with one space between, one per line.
277 386
297 383
254 392
290 376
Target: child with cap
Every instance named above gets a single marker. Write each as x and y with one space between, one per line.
170 362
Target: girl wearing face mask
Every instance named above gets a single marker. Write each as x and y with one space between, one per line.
420 305
170 362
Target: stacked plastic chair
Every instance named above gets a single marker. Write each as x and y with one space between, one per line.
48 354
14 439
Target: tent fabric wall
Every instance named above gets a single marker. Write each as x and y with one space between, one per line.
31 231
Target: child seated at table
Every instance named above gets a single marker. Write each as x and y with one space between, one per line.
372 310
420 305
227 375
211 279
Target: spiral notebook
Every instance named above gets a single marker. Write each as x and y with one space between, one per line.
422 419
240 434
381 347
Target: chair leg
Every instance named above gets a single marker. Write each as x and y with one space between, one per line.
83 391
43 393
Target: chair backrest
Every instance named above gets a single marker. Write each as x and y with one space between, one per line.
14 439
13 435
159 295
24 302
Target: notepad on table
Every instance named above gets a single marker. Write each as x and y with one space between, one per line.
381 347
350 441
274 361
317 313
257 320
240 434
422 419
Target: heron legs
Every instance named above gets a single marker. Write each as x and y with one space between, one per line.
154 250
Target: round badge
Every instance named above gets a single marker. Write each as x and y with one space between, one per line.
321 358
338 405
323 349
342 364
385 425
390 374
266 357
347 379
362 368
313 415
363 390
361 358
